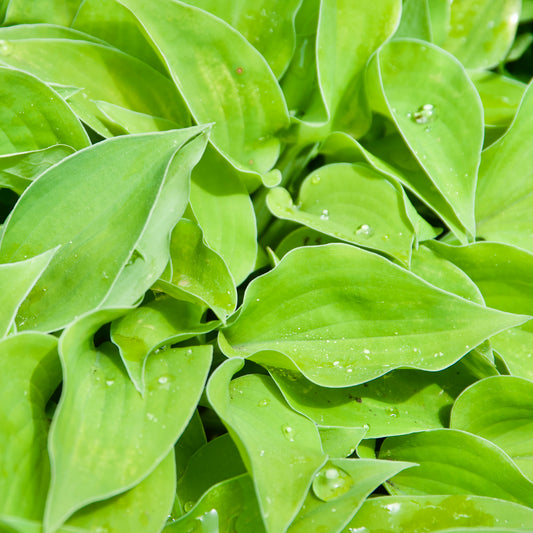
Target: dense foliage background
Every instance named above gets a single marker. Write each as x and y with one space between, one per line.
266 266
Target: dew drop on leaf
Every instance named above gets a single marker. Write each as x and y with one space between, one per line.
424 114
187 506
288 432
315 180
263 403
5 48
331 482
392 412
325 214
364 230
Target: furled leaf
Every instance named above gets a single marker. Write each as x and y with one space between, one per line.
32 115
127 178
107 74
499 409
153 326
228 505
353 203
338 491
223 209
400 402
197 273
16 281
482 31
268 25
455 462
273 441
504 205
344 316
503 275
143 508
96 456
30 374
221 77
206 469
17 171
422 514
438 112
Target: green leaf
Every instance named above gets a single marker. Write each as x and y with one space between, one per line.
107 74
353 203
416 20
95 457
30 374
344 316
228 505
52 11
499 409
455 462
436 109
16 281
206 469
268 25
221 77
17 171
190 441
151 328
400 402
503 275
197 273
272 439
482 31
503 206
143 508
421 514
32 115
338 441
223 209
102 259
339 489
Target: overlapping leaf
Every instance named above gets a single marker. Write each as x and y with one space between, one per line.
343 316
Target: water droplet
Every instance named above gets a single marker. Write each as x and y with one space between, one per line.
364 230
151 417
336 363
109 382
5 48
325 214
184 282
331 482
262 453
315 180
366 350
187 506
263 403
424 114
209 521
162 380
288 432
392 412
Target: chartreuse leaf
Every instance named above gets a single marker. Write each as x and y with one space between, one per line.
482 31
351 202
416 20
15 524
503 206
190 441
438 112
205 469
108 75
229 505
421 514
197 273
338 491
499 409
455 462
503 275
342 316
348 33
400 402
30 373
116 25
51 11
153 326
280 448
223 209
126 178
222 78
94 457
143 508
32 115
16 281
17 171
439 12
268 25
340 441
